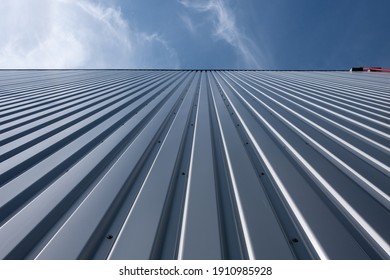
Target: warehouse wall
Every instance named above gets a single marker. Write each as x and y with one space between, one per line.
143 164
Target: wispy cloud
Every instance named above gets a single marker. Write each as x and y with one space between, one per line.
76 34
188 23
225 28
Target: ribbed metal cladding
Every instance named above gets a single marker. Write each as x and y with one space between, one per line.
143 164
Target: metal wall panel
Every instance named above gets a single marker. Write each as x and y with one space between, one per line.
143 164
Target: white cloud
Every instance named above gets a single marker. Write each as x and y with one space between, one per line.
76 34
188 23
225 28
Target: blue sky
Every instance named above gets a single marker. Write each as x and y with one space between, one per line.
203 34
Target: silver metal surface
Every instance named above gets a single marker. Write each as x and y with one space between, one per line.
160 164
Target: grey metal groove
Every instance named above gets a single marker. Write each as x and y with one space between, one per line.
191 164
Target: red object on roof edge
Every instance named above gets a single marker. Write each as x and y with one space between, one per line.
375 69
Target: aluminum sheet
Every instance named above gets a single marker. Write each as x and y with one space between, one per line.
192 164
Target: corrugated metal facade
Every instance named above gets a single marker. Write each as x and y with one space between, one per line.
100 164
